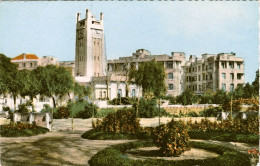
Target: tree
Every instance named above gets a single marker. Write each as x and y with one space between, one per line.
187 98
238 92
31 85
220 97
248 91
151 77
255 84
206 98
6 67
81 91
55 81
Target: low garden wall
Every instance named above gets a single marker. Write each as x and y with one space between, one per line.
41 119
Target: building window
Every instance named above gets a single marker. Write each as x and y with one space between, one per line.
105 94
169 65
170 75
31 64
198 68
231 76
133 92
100 94
170 86
238 65
239 76
224 65
231 87
119 93
204 77
224 75
199 77
5 101
210 76
24 64
231 65
224 87
200 88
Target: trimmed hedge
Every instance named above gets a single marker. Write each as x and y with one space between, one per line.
114 156
214 135
96 135
224 136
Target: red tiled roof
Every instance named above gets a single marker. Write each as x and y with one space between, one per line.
28 56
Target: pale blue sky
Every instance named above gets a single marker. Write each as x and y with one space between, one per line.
48 28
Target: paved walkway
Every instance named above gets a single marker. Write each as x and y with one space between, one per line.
65 147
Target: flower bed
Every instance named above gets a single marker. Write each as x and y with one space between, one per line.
21 130
115 156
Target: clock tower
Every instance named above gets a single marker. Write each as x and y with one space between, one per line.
90 57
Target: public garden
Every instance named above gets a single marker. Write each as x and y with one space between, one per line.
143 133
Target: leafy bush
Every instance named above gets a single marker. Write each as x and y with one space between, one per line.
148 109
61 112
6 108
246 126
124 120
21 130
172 138
192 114
103 112
23 109
96 135
89 111
46 108
122 101
225 136
210 112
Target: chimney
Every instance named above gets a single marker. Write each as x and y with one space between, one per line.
24 56
87 13
78 17
101 16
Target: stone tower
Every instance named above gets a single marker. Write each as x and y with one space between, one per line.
90 58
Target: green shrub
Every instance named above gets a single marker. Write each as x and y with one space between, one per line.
122 101
124 120
6 108
103 112
61 113
23 109
172 138
76 107
148 109
246 126
21 130
192 114
210 112
96 135
46 108
89 111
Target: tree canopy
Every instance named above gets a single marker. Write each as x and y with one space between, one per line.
55 81
151 77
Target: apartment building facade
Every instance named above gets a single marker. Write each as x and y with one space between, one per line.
173 65
212 72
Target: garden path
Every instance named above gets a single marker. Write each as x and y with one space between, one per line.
59 147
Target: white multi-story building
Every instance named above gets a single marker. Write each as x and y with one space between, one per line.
212 72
